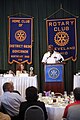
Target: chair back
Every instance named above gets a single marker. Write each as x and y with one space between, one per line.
34 113
74 112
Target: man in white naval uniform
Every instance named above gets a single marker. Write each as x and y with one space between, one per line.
52 57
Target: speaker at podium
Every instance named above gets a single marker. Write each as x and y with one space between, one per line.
54 77
54 70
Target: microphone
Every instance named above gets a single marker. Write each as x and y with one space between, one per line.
49 55
60 60
51 52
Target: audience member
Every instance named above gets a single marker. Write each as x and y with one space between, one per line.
13 88
11 101
72 111
4 116
32 99
20 69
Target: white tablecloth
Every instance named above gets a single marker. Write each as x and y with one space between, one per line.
55 112
20 83
76 82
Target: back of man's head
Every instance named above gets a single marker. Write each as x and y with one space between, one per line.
31 94
77 93
7 87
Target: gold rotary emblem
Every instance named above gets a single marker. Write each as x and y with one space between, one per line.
61 38
20 35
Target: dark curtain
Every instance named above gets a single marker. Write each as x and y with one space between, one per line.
39 9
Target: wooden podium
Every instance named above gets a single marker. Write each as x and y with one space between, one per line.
54 77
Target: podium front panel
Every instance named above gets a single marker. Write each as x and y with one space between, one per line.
54 73
54 77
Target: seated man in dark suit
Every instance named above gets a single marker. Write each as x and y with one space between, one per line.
72 111
32 99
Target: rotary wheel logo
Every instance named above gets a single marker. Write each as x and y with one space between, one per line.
20 35
61 38
54 73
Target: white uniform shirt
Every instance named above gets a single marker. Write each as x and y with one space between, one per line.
54 58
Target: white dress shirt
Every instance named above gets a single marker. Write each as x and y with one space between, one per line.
52 58
11 102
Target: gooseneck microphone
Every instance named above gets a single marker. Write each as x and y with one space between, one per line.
60 60
49 55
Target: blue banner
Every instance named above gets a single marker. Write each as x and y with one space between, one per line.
20 40
61 33
54 73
